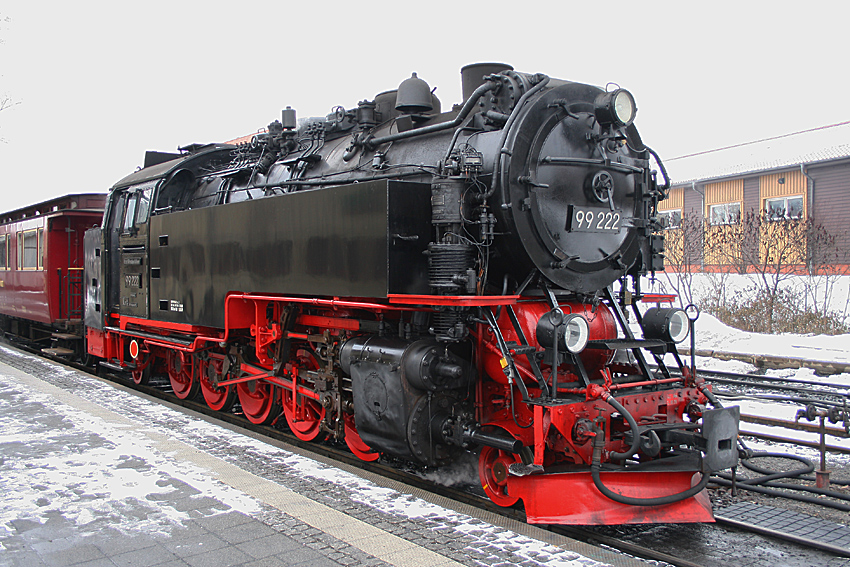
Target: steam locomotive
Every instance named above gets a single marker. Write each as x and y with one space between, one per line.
419 283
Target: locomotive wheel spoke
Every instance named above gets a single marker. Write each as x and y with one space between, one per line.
259 401
304 416
218 398
359 447
493 471
181 374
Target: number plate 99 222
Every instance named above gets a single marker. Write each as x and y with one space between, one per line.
593 219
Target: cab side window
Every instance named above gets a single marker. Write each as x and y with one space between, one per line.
137 208
130 213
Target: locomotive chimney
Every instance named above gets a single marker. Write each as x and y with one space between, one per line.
472 76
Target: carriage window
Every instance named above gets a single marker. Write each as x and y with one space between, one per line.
28 250
4 253
41 249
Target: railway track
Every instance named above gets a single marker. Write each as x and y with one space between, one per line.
814 399
606 536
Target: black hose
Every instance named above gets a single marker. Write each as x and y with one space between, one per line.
663 169
769 492
710 395
774 475
657 501
635 431
764 484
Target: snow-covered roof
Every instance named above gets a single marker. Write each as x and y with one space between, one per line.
809 146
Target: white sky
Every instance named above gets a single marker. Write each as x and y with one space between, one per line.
100 82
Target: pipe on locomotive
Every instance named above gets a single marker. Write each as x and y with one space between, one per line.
632 424
372 143
544 80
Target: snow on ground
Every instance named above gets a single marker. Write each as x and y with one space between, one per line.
714 335
95 473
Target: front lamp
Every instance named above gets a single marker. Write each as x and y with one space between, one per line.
576 333
616 107
669 324
570 331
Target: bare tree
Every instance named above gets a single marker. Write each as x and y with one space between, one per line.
774 251
824 256
683 249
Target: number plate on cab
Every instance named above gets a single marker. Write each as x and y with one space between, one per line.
593 219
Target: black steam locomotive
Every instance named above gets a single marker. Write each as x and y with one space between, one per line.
421 283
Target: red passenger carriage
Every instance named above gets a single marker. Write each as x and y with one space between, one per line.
41 267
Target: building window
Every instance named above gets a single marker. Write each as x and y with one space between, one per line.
670 219
725 213
784 208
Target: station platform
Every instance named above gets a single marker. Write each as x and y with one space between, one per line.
95 475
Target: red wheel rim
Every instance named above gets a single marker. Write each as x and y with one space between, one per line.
259 402
141 376
218 398
359 447
304 416
181 375
493 471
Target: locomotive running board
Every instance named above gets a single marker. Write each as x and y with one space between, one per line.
572 498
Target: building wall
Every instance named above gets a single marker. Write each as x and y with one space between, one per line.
694 199
752 199
830 204
674 201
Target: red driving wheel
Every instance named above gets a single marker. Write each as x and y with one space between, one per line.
259 401
359 447
181 374
218 398
493 471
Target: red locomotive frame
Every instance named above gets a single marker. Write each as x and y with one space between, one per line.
548 498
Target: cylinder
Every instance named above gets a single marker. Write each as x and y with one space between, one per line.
288 118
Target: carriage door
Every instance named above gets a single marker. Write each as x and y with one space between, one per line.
133 251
